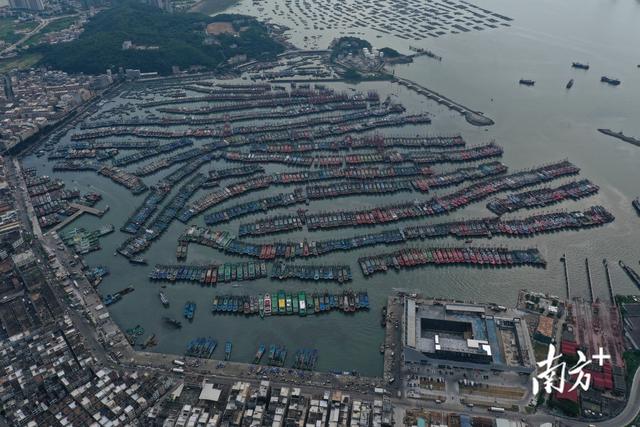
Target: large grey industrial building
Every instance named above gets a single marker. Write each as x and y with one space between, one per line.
465 335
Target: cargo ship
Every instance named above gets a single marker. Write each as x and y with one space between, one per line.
163 299
636 205
570 84
580 66
527 82
609 80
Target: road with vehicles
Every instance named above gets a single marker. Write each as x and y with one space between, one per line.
43 22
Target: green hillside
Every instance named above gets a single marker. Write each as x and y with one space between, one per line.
180 37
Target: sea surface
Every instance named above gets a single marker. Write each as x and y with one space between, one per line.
535 125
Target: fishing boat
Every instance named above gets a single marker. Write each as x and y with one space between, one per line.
609 80
289 304
163 299
267 305
282 303
189 310
527 82
295 303
580 66
150 341
570 84
259 354
138 260
227 350
261 305
173 322
272 352
116 296
302 302
310 303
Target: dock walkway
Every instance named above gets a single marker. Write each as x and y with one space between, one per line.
81 209
476 118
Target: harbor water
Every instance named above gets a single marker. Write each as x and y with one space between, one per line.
535 125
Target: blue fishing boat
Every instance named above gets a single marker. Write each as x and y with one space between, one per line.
189 310
227 350
259 354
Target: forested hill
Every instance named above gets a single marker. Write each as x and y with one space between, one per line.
180 39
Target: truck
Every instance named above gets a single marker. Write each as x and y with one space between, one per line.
178 362
178 370
496 409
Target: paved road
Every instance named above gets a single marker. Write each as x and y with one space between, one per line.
24 38
631 411
43 23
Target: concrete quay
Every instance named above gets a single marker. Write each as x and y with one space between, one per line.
475 118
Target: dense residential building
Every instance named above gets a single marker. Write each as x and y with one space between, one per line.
33 100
